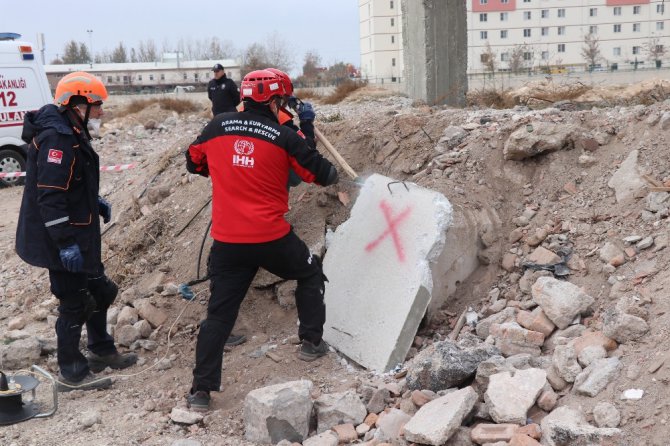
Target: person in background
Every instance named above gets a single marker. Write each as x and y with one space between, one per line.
59 228
222 92
248 155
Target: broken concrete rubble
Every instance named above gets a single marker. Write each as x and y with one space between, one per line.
507 406
561 301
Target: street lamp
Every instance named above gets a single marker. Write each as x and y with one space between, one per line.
90 46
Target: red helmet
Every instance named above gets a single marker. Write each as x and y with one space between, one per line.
261 86
285 80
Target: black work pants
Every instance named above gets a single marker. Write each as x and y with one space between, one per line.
232 267
83 299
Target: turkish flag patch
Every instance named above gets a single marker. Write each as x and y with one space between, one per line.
55 156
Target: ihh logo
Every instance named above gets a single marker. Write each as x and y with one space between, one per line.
243 147
243 161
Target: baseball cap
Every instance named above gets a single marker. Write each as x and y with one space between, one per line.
217 67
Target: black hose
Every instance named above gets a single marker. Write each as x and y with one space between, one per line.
202 248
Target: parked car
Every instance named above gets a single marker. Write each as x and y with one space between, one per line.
23 87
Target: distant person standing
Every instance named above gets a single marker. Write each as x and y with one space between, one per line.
222 92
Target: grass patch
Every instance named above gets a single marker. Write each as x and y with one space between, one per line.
342 92
308 93
490 98
178 105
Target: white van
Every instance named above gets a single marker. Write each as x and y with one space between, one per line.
23 87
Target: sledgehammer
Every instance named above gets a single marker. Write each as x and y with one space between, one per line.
341 161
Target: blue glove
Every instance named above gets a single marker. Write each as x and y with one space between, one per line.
306 112
105 209
72 259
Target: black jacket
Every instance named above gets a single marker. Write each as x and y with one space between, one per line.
60 198
224 95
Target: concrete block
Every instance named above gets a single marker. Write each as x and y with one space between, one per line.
510 396
339 408
379 270
490 433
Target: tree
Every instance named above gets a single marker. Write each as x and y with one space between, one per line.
255 58
654 49
516 58
147 51
119 54
133 55
337 72
310 69
278 53
84 54
591 50
488 58
72 53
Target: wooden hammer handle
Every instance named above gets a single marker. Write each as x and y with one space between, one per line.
347 168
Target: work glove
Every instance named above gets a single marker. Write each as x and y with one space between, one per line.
72 259
333 176
293 102
105 208
306 112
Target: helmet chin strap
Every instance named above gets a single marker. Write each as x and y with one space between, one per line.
84 120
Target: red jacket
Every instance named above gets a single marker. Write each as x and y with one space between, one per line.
248 155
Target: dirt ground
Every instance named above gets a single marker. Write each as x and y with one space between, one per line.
375 132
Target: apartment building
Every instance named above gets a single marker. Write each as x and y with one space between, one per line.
381 41
542 33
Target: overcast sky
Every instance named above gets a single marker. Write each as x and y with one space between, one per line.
330 27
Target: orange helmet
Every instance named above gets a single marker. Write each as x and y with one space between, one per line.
261 86
80 83
285 80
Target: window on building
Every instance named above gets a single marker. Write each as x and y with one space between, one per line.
110 79
503 33
526 1
659 26
139 77
483 35
561 47
545 55
483 2
593 29
162 76
392 21
526 15
527 55
393 61
392 39
636 50
660 8
195 76
185 76
561 12
504 2
504 16
617 10
483 17
391 4
593 12
636 27
526 32
544 14
126 79
561 30
637 9
118 78
484 57
151 77
545 31
617 28
616 51
659 49
504 57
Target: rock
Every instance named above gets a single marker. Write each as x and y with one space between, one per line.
509 262
657 201
285 292
544 137
278 412
435 422
422 397
150 313
567 427
15 335
623 327
156 194
509 396
446 364
346 433
537 237
183 416
186 442
627 181
339 408
378 401
610 252
16 323
451 137
143 328
565 362
126 335
484 326
536 320
490 433
590 354
390 424
593 338
645 243
20 354
149 284
362 429
597 376
606 415
542 256
328 438
89 418
512 339
561 301
547 400
461 437
555 381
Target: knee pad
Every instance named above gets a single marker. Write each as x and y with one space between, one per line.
104 291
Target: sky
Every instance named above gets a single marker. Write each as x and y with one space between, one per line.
329 27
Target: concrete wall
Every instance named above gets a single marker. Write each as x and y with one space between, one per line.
435 50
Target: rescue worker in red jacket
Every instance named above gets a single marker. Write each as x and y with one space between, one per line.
59 227
248 155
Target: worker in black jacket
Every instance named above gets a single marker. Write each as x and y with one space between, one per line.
59 228
222 92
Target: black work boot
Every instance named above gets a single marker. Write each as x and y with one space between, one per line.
309 352
198 400
234 340
89 382
117 361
